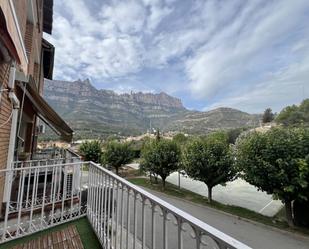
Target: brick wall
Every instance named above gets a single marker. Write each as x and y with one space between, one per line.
21 13
5 112
29 46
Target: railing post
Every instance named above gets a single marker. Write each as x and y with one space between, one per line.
9 175
72 190
134 219
21 198
101 206
121 216
109 211
105 219
96 198
164 228
179 232
80 188
113 213
153 206
143 223
89 199
128 218
43 200
33 197
52 195
28 188
64 189
197 238
117 214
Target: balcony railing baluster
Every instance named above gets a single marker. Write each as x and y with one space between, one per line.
143 223
117 214
43 200
134 219
153 207
33 197
110 200
105 200
20 199
121 216
100 204
128 218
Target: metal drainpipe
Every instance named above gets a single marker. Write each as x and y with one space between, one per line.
11 149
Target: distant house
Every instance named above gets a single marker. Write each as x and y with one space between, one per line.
26 58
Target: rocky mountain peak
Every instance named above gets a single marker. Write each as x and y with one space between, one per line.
85 88
92 112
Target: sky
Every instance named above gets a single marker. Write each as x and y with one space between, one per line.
248 55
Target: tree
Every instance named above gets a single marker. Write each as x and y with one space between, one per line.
295 115
268 116
180 139
117 154
277 162
233 134
209 160
91 150
160 157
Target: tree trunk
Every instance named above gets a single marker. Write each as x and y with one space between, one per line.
155 179
117 170
209 194
163 184
288 212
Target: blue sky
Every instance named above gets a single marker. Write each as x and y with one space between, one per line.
243 54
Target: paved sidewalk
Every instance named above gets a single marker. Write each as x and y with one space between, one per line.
238 193
254 235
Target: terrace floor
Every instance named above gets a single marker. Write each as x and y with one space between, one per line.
76 234
66 238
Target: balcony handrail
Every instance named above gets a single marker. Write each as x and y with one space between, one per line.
176 211
44 160
42 167
73 153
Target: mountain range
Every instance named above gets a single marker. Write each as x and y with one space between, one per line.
92 112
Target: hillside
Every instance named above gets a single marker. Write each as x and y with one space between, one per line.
91 112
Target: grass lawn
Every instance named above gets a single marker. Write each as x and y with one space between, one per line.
170 189
83 227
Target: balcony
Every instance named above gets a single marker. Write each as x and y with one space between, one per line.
43 194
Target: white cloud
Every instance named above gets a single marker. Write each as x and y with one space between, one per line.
236 48
103 44
128 17
217 46
285 87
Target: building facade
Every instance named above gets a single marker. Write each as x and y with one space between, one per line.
26 58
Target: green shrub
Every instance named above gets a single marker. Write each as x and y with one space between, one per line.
160 157
91 151
277 161
117 154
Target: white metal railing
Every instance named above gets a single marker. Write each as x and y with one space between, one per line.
121 214
42 195
54 153
126 216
